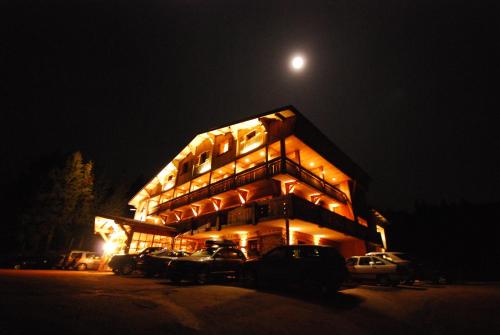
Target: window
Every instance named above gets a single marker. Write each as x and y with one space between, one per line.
309 252
250 135
378 261
223 147
364 261
203 157
277 254
351 262
185 167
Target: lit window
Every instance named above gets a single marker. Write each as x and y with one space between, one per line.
203 157
223 147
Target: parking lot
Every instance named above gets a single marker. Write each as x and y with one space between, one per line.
70 302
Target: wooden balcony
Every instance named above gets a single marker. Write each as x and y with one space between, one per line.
291 207
259 172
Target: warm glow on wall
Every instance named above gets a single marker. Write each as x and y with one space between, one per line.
333 206
243 235
195 209
242 194
216 202
315 198
317 239
204 168
250 147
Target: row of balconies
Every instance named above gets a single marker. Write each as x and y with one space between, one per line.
260 172
291 207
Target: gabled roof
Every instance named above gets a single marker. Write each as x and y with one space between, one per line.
304 129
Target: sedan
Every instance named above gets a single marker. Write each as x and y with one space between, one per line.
156 263
376 269
206 264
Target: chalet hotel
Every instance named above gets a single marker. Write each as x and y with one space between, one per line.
268 180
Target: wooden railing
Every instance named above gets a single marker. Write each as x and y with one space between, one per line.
291 207
259 172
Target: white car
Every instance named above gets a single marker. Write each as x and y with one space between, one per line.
393 256
375 269
82 260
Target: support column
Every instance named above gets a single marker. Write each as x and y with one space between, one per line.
287 229
283 155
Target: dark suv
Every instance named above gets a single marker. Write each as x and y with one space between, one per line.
206 264
320 268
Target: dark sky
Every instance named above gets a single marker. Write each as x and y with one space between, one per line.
404 87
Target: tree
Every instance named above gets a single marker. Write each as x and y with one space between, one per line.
62 209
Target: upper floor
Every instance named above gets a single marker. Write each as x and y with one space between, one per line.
272 154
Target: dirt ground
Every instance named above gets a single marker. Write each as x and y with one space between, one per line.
66 302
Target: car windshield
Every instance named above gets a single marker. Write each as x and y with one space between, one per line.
204 252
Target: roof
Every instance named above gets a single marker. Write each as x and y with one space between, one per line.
304 129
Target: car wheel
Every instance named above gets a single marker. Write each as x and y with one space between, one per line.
81 267
126 269
383 280
202 277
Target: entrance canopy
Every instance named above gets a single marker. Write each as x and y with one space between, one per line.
117 232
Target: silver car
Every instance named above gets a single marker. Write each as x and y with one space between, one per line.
375 269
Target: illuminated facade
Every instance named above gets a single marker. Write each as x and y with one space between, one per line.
268 180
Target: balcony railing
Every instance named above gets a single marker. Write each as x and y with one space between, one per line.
259 172
252 143
291 207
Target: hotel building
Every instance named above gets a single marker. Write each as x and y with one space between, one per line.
264 181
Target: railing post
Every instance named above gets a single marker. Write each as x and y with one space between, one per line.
283 155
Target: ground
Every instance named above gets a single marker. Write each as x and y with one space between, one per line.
67 302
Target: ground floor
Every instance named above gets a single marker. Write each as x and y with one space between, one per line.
130 236
257 239
70 302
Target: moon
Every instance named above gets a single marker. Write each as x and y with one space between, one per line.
297 63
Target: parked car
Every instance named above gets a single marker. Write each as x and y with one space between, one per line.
206 264
127 263
376 269
321 268
156 263
397 257
82 260
418 269
48 261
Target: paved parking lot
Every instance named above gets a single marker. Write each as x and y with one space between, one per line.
65 302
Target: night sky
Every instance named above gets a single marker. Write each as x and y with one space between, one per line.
404 87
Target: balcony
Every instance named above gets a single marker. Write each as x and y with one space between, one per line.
259 172
289 206
252 143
